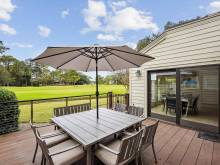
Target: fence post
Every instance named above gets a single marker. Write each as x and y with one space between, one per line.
90 100
32 111
110 100
127 100
66 101
107 105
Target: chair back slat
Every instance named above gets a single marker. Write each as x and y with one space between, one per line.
149 134
129 147
120 107
60 111
137 111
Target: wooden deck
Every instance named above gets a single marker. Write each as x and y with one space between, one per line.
174 145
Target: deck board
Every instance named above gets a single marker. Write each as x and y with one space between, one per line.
174 145
179 151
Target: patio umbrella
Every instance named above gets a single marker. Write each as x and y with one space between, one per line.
92 58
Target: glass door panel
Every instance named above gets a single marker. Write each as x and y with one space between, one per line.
199 95
163 94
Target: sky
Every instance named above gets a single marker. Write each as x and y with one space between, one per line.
27 27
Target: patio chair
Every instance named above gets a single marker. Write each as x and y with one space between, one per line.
120 152
120 107
137 111
71 109
193 106
64 153
148 139
170 104
52 138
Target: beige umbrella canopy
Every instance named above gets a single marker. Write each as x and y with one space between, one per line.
92 58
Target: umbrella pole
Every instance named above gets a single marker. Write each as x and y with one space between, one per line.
97 85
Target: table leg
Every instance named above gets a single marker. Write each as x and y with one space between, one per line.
89 156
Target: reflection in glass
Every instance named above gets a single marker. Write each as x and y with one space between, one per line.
199 89
163 93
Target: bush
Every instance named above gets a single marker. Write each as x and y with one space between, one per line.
9 111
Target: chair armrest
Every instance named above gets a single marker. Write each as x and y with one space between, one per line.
108 149
64 150
47 125
127 133
52 135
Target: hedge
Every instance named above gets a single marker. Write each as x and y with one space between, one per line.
9 111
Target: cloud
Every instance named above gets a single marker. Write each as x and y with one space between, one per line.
44 31
6 8
65 13
92 15
130 18
115 5
131 45
6 29
20 45
114 22
212 7
108 37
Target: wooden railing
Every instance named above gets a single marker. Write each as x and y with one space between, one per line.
41 110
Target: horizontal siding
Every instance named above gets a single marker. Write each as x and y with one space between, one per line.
137 86
195 44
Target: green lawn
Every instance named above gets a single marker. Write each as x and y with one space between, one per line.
28 93
43 111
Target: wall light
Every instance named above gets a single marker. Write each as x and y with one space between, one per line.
138 73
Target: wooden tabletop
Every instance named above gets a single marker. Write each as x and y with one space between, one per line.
88 130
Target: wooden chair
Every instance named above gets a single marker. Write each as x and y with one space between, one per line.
71 109
52 138
120 152
148 139
64 153
120 107
137 111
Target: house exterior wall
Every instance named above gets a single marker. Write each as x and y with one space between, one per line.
189 45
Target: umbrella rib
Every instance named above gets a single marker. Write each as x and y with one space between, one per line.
106 54
88 64
108 62
58 54
70 59
123 59
137 54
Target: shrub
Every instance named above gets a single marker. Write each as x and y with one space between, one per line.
9 111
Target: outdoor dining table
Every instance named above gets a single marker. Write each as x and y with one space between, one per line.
85 128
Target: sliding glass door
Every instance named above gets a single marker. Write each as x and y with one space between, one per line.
163 95
200 97
188 96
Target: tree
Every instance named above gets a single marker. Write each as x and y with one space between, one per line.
145 41
108 80
71 77
169 24
6 61
100 79
84 79
57 76
3 49
5 77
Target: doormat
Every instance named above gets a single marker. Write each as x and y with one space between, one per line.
209 136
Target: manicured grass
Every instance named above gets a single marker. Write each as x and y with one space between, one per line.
28 93
43 111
